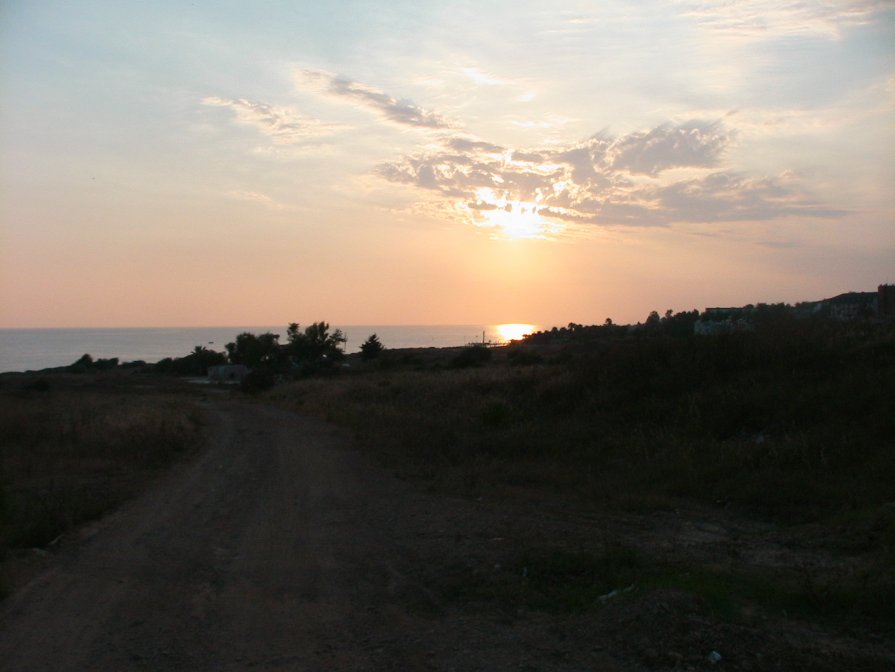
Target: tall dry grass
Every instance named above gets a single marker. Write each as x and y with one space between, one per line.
795 426
72 448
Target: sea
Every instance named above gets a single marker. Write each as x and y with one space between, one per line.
36 349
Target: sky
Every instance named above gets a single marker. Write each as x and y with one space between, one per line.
417 162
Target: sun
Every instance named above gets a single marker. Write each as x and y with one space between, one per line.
514 220
517 222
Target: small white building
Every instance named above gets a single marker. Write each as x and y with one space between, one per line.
227 373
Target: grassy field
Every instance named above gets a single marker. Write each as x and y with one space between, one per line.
75 446
792 425
788 430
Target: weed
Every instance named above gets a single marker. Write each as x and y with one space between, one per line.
70 455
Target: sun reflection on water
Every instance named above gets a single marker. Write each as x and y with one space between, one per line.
513 332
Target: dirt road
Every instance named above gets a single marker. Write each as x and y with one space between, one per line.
277 549
260 555
282 548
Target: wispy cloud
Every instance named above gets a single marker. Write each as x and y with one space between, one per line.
766 19
727 196
402 112
605 180
257 197
480 76
282 124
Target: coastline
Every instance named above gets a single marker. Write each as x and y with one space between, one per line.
37 349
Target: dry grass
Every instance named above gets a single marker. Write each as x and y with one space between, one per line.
799 440
74 446
797 429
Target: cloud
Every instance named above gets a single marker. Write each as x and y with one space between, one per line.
402 112
282 124
471 145
606 180
481 205
769 19
479 76
695 143
727 196
257 197
672 173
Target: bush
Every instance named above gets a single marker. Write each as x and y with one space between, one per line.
524 357
258 380
474 355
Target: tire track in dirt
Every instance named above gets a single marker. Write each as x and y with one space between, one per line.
259 554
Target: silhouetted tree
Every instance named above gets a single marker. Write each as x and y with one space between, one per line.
315 345
371 348
253 350
84 363
679 324
196 363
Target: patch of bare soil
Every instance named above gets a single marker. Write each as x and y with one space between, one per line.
283 548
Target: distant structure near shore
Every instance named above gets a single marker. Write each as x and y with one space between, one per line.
227 373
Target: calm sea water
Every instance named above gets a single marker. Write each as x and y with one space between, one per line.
34 349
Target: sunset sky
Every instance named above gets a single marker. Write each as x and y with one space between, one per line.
411 162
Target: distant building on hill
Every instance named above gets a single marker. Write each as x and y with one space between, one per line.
714 321
885 300
842 307
852 305
725 313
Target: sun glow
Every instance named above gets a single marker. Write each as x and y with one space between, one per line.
516 221
512 219
513 332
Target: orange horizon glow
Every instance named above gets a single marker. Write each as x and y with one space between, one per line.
441 182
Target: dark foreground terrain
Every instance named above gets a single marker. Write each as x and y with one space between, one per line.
533 524
281 548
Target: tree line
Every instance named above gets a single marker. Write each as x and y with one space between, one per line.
315 348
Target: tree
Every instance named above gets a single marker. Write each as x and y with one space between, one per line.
315 345
371 348
200 359
254 350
